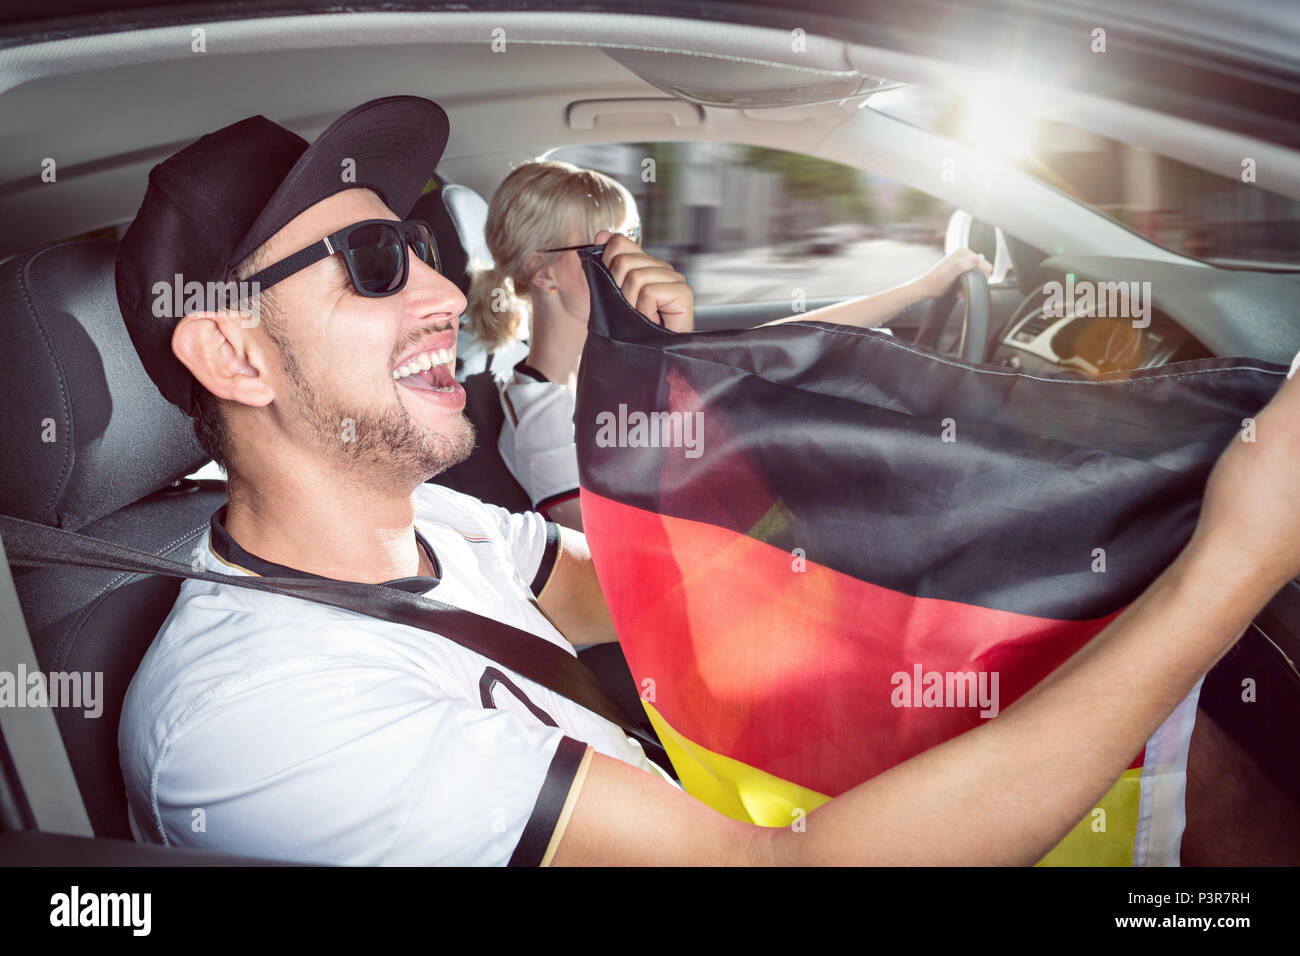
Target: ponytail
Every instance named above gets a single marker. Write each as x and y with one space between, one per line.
498 315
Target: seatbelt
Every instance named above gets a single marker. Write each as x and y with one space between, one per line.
29 544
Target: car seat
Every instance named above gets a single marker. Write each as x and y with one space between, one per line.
91 446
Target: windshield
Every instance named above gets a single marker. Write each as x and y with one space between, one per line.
1226 220
749 224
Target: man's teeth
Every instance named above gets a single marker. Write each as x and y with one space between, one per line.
426 361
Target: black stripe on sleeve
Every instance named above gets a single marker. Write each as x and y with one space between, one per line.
549 555
550 803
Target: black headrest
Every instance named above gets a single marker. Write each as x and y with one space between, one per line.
458 217
85 431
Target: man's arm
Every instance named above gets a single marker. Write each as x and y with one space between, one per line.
1009 790
1003 793
572 596
567 513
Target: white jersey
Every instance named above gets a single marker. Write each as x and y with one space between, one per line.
270 726
536 440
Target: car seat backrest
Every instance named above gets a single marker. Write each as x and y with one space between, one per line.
458 217
91 446
86 432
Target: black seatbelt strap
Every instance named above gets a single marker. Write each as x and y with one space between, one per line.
29 544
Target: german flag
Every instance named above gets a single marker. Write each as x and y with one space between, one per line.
826 550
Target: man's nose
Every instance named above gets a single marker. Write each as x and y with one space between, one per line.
436 294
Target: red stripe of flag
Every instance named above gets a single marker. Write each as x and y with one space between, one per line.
790 671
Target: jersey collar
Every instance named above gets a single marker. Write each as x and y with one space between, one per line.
523 367
228 550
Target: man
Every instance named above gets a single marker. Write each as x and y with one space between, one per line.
264 725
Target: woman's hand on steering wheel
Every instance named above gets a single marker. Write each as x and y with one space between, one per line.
950 268
959 271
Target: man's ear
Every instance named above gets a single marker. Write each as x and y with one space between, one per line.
225 359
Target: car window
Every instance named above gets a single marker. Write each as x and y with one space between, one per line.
748 224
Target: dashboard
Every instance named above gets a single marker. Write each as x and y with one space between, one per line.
1090 337
1088 315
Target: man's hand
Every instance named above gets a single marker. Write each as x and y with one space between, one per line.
949 269
653 287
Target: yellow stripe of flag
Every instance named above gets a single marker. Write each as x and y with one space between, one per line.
751 795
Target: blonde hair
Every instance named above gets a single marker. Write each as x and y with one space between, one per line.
535 209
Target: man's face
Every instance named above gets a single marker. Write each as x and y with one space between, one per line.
336 393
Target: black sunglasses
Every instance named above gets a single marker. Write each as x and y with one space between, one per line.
634 234
374 251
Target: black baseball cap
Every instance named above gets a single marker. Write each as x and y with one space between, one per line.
217 200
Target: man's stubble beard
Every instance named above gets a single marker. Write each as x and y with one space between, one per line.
390 447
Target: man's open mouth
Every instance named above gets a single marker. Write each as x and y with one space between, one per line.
432 370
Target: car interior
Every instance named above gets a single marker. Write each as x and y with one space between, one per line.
123 465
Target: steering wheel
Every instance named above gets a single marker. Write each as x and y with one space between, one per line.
974 343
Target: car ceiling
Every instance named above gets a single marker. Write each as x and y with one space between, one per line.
503 109
143 93
1234 63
